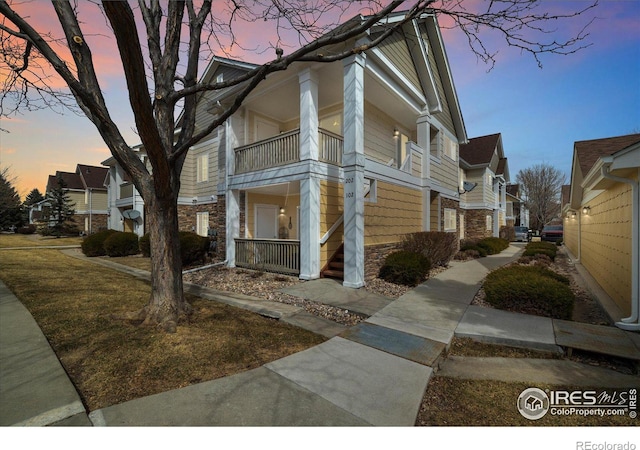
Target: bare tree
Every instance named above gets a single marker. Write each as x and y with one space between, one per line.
172 66
541 190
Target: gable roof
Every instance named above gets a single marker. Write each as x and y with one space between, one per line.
479 150
92 177
588 152
71 179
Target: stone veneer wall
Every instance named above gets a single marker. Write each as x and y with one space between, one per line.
374 256
475 223
450 204
99 222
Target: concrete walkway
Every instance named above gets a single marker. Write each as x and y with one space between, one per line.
375 373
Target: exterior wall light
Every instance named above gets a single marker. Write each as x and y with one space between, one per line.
586 210
396 133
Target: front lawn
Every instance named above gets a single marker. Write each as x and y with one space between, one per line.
111 361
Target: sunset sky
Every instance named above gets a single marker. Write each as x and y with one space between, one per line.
591 94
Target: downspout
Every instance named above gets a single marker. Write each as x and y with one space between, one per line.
631 323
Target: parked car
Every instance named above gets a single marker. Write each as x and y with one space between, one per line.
552 233
523 234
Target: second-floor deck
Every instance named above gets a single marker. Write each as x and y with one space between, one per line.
285 149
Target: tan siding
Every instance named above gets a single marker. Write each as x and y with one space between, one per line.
477 195
188 175
606 243
379 143
396 50
331 209
571 233
99 201
78 199
445 116
446 172
397 211
434 217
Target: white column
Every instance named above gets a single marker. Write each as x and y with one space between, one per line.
232 199
308 115
353 164
426 208
424 131
309 228
309 186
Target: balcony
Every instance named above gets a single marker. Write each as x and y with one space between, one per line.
126 191
285 149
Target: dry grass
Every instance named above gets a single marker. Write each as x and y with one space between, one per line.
455 402
137 261
34 240
111 361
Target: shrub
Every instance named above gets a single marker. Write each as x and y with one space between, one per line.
531 290
437 246
463 255
145 245
193 247
27 229
121 244
493 245
405 267
541 248
473 246
93 245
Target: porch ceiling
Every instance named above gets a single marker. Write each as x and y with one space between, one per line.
291 188
279 95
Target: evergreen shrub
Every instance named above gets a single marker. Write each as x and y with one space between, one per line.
121 244
404 267
93 245
530 290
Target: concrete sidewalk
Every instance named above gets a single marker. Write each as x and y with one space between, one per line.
34 388
375 373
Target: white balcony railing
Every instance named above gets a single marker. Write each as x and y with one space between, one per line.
285 149
269 255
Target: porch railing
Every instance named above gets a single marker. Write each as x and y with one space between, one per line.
273 152
330 147
270 255
285 149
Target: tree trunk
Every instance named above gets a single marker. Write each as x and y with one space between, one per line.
167 306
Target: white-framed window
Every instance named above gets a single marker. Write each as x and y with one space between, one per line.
450 148
202 223
450 219
489 222
202 168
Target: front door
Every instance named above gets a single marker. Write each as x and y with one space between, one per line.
266 222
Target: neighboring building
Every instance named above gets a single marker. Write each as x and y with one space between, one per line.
601 219
86 190
517 212
328 161
482 162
